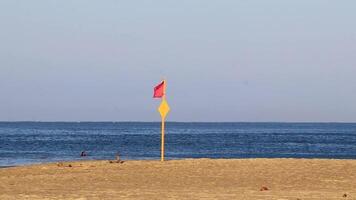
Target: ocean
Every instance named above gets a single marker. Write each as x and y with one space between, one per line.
23 143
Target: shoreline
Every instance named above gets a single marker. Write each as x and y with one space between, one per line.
170 159
2 167
284 178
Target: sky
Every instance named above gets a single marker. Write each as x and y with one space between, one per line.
229 60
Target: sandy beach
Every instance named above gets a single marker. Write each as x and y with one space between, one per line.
183 179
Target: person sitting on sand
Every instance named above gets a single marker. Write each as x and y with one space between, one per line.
118 160
118 157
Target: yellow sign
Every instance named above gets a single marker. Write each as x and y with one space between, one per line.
164 109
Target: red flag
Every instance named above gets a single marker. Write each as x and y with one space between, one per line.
159 90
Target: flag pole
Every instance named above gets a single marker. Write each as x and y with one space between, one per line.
163 109
163 123
162 137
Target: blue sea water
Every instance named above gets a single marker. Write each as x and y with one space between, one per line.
38 142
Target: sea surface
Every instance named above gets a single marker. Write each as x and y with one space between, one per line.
23 143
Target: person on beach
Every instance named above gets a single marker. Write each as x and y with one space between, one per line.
83 154
118 157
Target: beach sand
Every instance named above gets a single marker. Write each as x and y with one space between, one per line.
183 179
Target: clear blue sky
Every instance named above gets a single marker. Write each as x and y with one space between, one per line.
235 60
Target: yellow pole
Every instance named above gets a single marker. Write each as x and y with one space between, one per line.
162 145
163 124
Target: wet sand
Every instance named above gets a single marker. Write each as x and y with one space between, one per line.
183 179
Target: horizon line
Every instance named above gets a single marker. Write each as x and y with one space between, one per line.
107 121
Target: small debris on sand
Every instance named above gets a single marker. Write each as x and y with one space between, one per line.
263 188
70 165
116 161
345 195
